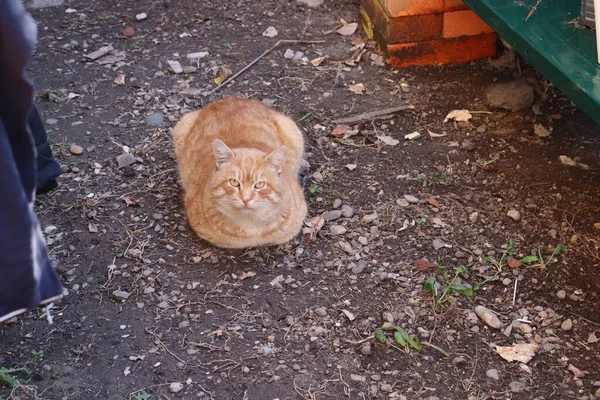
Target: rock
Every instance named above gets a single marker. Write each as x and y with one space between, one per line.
347 211
488 317
318 177
517 386
402 202
411 199
189 69
359 267
388 317
338 229
493 374
367 219
332 215
561 294
365 349
155 119
512 96
597 394
386 387
125 159
76 149
566 325
129 31
458 361
51 121
358 378
468 145
289 54
597 225
141 16
176 387
553 233
175 66
321 311
337 203
298 56
473 217
271 32
540 131
310 3
481 128
120 295
514 214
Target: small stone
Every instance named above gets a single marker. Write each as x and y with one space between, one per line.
189 69
76 149
129 31
411 199
517 386
402 202
458 361
514 214
321 311
332 215
298 56
365 349
176 387
473 217
481 128
337 203
289 54
493 374
512 96
347 211
358 378
359 267
175 66
125 159
566 325
310 3
553 233
270 32
386 387
506 281
561 294
338 229
388 317
121 295
367 219
184 324
488 317
141 16
318 177
155 119
597 225
163 305
51 121
194 57
468 145
597 394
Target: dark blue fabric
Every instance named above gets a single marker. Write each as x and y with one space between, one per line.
27 278
48 169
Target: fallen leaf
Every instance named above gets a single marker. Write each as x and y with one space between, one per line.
131 202
119 79
270 32
436 135
522 352
348 314
358 41
566 160
246 275
514 263
351 167
438 223
224 74
357 88
433 202
348 29
458 115
315 224
540 131
438 244
423 264
592 338
340 131
390 141
576 371
318 61
277 281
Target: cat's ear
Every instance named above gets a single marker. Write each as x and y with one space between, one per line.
222 153
276 158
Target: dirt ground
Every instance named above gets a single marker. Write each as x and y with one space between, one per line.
153 312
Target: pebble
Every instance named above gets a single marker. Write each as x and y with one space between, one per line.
506 281
337 203
332 215
338 229
51 121
155 119
493 374
488 317
386 387
129 31
597 225
318 177
176 387
561 294
175 66
514 214
310 3
359 267
125 159
121 295
597 394
388 317
367 219
473 217
402 202
566 325
365 349
517 386
358 378
411 199
289 54
321 311
163 305
553 233
460 360
76 149
347 211
270 32
141 16
468 145
481 128
512 96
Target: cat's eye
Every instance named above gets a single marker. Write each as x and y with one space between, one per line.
259 185
234 182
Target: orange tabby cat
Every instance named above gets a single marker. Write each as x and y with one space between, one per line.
239 162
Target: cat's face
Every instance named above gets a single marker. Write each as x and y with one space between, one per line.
247 182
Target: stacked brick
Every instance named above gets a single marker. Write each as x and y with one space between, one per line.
424 32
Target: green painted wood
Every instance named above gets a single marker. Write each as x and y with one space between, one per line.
563 53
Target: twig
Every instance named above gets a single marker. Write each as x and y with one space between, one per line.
372 115
533 9
164 346
270 49
515 292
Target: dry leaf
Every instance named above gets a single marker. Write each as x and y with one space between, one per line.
318 61
358 41
348 314
224 74
435 135
357 88
348 29
458 115
246 275
390 141
577 372
315 224
541 131
119 79
340 131
522 352
130 201
567 161
433 202
423 264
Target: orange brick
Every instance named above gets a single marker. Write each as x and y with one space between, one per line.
414 28
444 51
454 5
403 8
464 23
